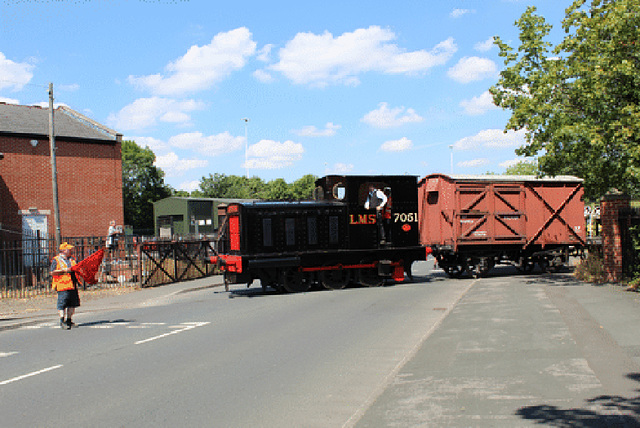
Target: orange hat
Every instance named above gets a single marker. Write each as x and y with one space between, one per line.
65 246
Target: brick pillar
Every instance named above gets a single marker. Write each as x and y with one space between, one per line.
610 206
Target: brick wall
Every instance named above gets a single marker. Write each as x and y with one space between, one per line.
612 251
89 184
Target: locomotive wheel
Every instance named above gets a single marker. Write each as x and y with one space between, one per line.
369 277
335 279
294 282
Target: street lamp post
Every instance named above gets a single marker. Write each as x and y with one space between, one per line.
246 147
451 147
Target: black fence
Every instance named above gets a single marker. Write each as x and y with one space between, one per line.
136 261
629 220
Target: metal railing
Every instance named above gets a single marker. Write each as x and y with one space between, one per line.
25 263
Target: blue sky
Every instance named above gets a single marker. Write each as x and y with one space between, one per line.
328 87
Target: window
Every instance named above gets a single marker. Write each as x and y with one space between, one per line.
339 191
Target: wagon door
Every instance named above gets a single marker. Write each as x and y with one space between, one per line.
490 213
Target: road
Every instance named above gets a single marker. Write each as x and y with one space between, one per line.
209 358
500 351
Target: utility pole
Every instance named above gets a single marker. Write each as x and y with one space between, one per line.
54 170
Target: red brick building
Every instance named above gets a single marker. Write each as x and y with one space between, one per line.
89 172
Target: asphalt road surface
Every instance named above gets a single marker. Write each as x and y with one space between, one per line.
210 358
499 351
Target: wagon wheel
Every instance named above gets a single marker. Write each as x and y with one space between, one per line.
451 264
526 265
369 277
480 267
454 270
335 279
294 281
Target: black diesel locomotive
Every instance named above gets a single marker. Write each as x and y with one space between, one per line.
331 241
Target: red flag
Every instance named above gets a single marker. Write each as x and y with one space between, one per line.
88 268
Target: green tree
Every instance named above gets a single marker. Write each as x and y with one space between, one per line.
142 184
578 102
231 186
278 190
522 168
238 187
302 188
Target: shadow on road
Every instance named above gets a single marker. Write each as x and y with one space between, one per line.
602 411
104 322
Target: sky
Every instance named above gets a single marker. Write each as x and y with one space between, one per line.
277 89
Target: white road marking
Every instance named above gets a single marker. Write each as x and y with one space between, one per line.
15 379
185 327
7 354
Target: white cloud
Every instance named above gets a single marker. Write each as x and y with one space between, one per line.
264 54
268 154
457 13
491 138
212 145
189 186
401 145
146 112
156 146
479 105
339 169
311 131
485 46
384 117
9 100
202 66
321 60
263 76
14 75
173 166
471 69
474 163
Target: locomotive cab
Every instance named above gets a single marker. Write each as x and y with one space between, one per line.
399 215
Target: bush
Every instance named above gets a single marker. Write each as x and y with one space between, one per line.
591 269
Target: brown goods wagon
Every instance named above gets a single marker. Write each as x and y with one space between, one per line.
473 222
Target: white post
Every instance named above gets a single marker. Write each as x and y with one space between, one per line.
246 147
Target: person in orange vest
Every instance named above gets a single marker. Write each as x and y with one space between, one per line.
64 281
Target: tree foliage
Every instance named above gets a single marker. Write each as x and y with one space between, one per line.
232 186
142 184
522 168
578 101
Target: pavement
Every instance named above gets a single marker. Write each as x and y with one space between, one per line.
16 313
523 351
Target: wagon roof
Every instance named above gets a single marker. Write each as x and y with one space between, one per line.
506 178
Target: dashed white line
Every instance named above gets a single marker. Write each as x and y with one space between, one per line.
15 379
185 327
7 354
